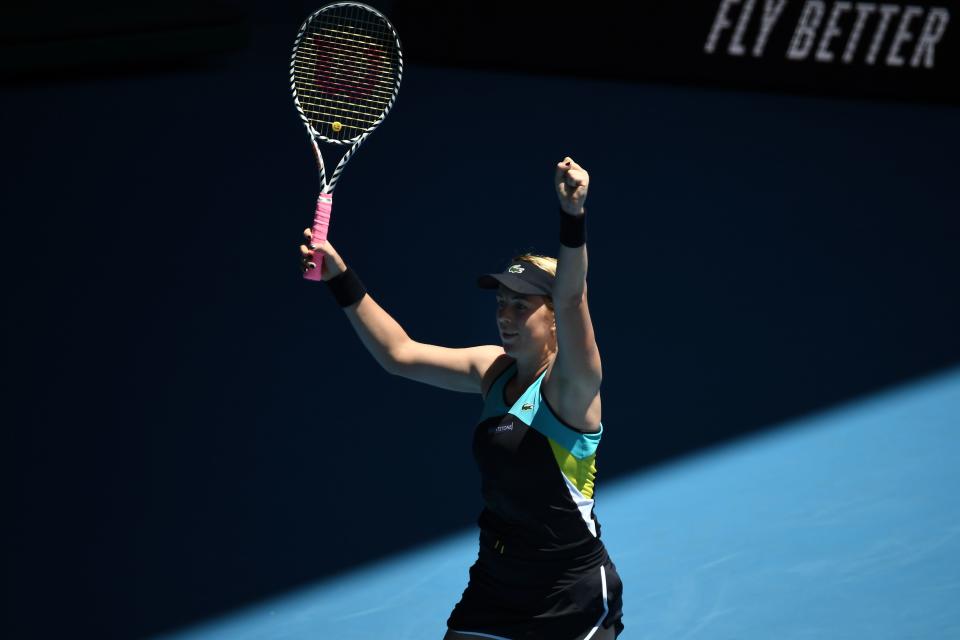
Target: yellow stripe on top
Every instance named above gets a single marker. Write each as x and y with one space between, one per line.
580 472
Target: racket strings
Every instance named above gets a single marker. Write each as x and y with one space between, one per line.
371 59
375 86
335 88
357 116
370 51
346 88
333 64
318 100
346 70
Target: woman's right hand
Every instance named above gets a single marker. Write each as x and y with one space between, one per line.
332 264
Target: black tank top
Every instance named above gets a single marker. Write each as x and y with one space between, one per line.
537 473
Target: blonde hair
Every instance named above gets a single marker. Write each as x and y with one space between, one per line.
546 263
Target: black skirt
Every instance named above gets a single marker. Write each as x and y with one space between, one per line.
521 594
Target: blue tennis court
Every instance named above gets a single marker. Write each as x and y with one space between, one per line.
844 524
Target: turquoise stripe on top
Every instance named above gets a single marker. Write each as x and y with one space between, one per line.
494 405
580 445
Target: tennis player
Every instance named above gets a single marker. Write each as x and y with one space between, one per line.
542 572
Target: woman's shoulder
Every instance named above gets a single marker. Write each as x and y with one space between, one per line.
494 371
572 410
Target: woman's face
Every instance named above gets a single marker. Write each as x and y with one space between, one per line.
525 322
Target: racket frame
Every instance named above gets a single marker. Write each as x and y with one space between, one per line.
355 142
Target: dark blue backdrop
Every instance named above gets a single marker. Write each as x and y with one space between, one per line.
191 426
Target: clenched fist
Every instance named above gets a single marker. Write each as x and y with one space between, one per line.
571 182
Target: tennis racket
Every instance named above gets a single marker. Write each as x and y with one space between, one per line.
345 74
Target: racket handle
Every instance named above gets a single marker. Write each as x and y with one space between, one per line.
318 234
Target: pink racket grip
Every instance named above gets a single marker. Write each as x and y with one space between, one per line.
318 234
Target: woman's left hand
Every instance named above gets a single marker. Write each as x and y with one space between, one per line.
571 182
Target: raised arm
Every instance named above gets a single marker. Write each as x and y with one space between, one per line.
389 344
575 379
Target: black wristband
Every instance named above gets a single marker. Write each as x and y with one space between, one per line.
573 230
346 288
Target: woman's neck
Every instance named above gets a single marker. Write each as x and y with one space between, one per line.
529 369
